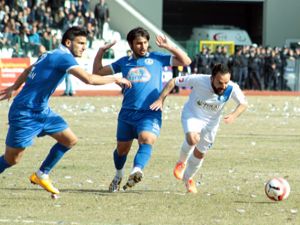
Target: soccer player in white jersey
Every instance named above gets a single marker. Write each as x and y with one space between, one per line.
30 115
201 116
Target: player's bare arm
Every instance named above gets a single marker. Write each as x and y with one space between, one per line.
98 80
180 58
158 104
7 93
236 113
98 67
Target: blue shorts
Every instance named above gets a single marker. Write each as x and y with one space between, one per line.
26 124
133 122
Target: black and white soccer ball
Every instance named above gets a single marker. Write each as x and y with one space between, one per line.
277 189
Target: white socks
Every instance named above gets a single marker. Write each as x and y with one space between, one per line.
42 175
135 169
120 173
192 167
185 151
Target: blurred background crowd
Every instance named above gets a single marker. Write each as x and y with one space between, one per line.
29 26
253 67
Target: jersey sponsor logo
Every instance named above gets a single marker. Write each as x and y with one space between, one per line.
139 74
149 61
208 107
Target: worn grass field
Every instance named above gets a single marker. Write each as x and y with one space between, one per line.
263 143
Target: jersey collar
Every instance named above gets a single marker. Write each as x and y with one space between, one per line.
64 49
133 57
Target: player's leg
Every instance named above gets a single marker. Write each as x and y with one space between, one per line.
125 136
120 157
57 128
145 140
196 159
66 139
188 145
192 127
11 157
194 163
148 129
22 130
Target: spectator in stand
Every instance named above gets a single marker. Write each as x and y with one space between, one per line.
91 34
235 64
80 7
271 70
289 69
254 65
42 50
34 41
279 69
69 87
5 38
217 56
297 53
79 20
86 5
101 12
90 18
202 62
60 19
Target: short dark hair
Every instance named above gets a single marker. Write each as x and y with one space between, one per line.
72 33
137 32
219 68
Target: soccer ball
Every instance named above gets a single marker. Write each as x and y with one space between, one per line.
277 189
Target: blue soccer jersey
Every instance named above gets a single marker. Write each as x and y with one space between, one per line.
145 74
47 73
29 115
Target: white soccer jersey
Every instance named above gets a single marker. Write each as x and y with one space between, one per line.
203 103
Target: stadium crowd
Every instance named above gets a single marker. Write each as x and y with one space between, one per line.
31 26
26 25
253 67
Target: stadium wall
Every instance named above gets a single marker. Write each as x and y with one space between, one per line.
281 21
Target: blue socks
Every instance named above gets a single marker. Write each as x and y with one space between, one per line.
3 164
119 160
142 156
55 154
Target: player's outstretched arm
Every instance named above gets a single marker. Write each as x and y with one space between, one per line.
94 79
98 67
7 93
180 58
158 104
230 118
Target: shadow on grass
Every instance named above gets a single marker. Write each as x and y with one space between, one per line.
89 191
255 202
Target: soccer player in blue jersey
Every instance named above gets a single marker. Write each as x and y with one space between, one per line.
30 116
136 120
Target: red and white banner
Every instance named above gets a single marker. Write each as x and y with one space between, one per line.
10 69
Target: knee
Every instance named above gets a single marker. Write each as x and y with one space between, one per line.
72 142
192 139
198 154
12 159
147 138
123 149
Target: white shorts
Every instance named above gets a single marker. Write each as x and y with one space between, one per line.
205 127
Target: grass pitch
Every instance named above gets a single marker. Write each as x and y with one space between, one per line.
264 142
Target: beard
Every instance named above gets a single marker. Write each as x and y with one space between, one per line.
218 91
